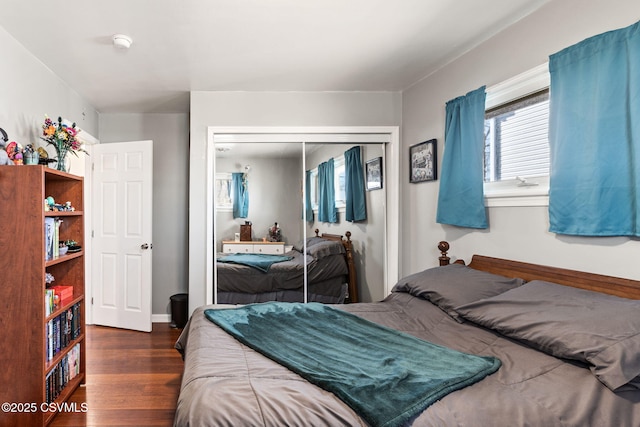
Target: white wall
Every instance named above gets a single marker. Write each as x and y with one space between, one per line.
519 232
29 90
267 109
170 135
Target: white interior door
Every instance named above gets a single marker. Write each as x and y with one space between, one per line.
122 234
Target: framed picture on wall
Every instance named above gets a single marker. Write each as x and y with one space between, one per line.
423 162
374 174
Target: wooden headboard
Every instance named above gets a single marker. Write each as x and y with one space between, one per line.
626 288
348 247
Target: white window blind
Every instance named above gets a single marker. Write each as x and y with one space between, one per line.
516 139
339 182
223 192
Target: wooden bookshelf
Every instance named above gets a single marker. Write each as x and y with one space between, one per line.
23 317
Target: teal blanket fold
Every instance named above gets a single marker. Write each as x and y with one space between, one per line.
262 262
386 376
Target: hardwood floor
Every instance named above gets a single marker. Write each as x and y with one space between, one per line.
133 379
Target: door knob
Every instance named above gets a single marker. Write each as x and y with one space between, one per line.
146 246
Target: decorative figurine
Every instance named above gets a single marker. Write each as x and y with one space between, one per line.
14 151
275 235
51 203
4 156
31 156
43 157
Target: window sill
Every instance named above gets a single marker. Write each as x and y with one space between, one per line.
512 192
518 198
339 209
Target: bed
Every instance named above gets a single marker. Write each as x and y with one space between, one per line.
331 274
568 343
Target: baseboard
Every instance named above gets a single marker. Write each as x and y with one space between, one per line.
160 318
155 318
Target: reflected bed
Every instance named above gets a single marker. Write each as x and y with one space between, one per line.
331 276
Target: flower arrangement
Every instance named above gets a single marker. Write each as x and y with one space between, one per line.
63 138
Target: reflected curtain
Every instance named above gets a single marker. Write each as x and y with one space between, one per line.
240 195
461 195
326 193
356 207
594 134
308 207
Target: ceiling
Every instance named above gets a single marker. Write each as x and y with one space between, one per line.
248 45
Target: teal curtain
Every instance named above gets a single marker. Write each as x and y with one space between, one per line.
594 134
461 195
356 206
308 207
240 195
326 193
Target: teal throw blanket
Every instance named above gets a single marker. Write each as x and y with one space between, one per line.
386 376
262 262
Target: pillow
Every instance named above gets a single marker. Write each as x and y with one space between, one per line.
600 330
453 285
310 242
319 248
325 248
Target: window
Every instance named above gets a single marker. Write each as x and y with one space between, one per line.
338 182
313 193
223 192
516 139
516 159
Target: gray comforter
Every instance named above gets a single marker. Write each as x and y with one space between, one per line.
325 277
227 384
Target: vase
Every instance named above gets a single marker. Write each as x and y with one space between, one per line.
61 165
31 158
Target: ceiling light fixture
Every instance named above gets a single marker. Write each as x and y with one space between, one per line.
122 41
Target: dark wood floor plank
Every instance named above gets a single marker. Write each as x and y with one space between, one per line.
133 379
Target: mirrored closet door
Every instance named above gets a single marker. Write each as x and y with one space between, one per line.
258 220
267 211
366 225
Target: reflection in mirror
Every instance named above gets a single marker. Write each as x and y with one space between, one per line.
262 191
367 234
268 180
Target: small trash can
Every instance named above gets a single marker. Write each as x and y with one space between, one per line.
179 309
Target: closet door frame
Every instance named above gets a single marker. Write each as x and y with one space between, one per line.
388 135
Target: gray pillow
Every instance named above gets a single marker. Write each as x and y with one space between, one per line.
453 285
310 242
318 248
600 330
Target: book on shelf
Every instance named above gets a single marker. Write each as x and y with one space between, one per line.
49 234
49 340
49 302
62 330
64 371
52 237
56 238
